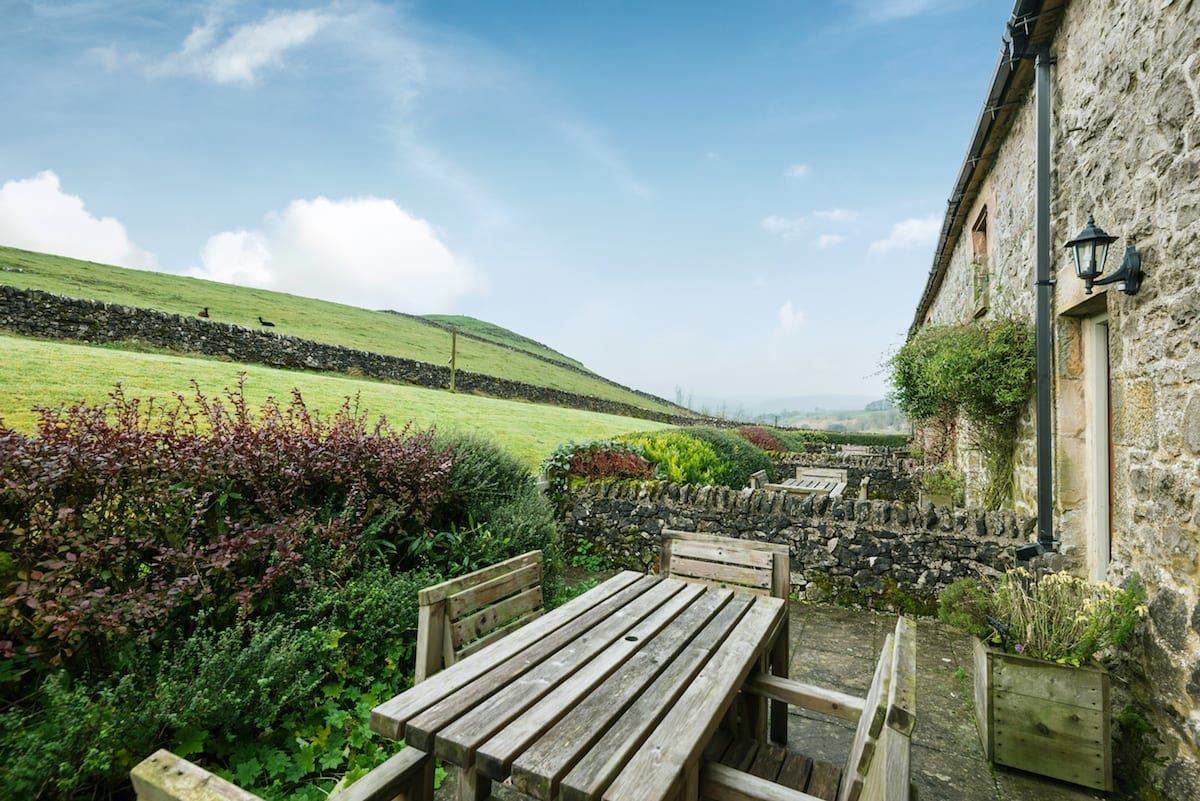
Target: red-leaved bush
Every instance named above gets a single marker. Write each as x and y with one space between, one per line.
601 462
120 519
761 437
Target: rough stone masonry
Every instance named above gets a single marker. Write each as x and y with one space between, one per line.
1125 145
921 549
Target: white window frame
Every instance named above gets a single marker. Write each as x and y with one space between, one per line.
1096 389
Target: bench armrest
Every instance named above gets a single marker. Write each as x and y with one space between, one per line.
806 696
722 783
389 780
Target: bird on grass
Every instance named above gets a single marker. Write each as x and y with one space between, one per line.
267 323
203 313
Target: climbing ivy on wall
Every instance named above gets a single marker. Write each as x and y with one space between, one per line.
982 371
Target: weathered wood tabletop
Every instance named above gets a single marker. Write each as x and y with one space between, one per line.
612 696
809 485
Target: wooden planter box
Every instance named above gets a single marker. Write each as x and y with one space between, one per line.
1043 717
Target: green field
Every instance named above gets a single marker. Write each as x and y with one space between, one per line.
35 372
319 320
494 333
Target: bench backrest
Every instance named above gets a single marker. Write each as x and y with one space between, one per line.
877 768
462 615
836 473
761 568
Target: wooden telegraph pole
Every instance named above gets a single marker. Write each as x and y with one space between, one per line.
453 357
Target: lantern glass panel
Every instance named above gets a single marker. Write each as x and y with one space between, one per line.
1085 258
1101 257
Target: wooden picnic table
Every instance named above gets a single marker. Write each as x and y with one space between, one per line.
810 485
612 696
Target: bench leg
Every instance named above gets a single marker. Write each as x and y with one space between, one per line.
691 783
422 784
472 785
779 667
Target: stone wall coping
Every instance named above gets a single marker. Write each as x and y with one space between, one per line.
1001 525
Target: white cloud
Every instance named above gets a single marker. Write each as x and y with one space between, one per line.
836 215
246 51
911 233
364 251
36 214
790 319
797 171
829 240
785 226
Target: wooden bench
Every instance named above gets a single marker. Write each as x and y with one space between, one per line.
163 776
761 568
751 566
458 617
759 479
877 767
837 474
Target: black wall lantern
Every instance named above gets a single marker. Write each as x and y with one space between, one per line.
1091 252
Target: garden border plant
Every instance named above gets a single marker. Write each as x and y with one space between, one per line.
982 371
239 587
1042 643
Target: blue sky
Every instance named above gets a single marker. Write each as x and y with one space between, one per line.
739 199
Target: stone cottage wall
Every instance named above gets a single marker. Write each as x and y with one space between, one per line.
862 542
42 314
1126 146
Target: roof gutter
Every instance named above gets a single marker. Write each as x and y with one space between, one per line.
1025 13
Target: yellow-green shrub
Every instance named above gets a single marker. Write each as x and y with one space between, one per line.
681 457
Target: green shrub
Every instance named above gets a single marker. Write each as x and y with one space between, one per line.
741 457
682 457
280 704
597 459
261 576
1053 616
965 604
944 481
483 477
802 439
798 440
491 509
982 371
525 524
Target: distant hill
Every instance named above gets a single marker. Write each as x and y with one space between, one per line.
502 336
322 321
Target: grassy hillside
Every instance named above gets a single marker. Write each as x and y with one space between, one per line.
495 333
318 320
34 372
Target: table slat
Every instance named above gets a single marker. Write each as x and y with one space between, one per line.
537 770
642 617
654 772
390 718
603 761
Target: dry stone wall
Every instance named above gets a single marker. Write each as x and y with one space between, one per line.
43 314
922 549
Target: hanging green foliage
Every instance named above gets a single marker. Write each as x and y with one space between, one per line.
982 371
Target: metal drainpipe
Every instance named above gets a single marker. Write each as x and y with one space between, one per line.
1045 287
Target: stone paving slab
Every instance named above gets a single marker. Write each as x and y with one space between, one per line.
947 760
